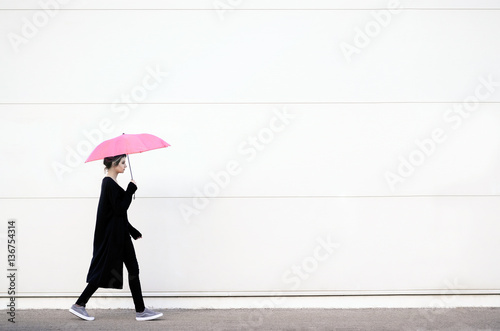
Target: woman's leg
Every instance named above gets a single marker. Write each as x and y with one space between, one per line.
135 288
87 293
133 275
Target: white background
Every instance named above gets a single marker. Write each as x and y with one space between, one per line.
222 78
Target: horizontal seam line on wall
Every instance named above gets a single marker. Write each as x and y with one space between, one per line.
255 295
239 103
245 9
275 197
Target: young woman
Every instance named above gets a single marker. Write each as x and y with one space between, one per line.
112 244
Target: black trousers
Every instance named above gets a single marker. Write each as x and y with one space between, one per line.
134 283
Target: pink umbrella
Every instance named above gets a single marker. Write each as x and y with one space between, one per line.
127 144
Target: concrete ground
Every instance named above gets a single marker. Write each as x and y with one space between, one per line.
456 319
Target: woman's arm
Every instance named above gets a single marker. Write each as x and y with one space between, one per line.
133 231
119 202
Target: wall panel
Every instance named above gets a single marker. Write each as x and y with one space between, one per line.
269 245
320 150
281 143
256 56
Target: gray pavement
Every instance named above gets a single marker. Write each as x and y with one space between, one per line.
456 319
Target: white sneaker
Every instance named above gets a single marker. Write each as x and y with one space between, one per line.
147 315
81 312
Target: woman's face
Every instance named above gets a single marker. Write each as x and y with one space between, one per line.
122 165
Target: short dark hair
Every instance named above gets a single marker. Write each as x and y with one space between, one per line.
112 161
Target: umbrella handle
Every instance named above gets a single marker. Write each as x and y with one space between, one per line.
131 175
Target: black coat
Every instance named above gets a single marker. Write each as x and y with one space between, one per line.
112 228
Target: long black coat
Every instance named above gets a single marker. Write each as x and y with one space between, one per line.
111 230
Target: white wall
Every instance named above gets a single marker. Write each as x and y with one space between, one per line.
390 154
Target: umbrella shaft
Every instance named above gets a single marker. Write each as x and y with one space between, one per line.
130 166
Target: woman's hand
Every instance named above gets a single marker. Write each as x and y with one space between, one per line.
133 181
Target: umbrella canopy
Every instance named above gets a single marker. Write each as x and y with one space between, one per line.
126 144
